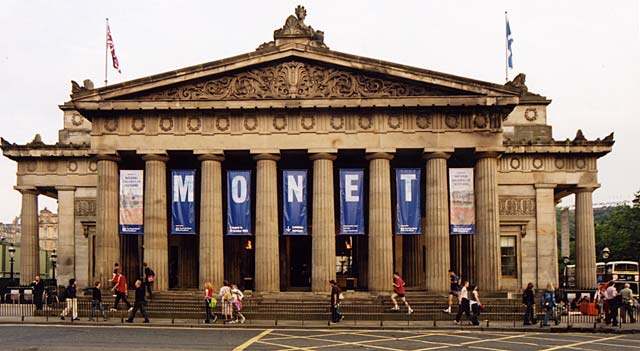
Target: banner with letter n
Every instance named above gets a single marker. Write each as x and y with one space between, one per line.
408 220
461 201
294 209
239 203
183 219
131 215
351 201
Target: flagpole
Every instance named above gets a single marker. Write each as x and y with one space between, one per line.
106 51
506 49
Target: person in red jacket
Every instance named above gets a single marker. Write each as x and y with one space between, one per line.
120 288
398 291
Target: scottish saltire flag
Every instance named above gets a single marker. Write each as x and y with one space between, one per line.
509 41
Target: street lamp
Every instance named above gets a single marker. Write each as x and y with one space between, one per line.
565 260
12 253
54 261
605 256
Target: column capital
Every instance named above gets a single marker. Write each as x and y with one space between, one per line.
585 188
211 157
323 156
379 155
436 154
65 188
155 157
271 157
108 157
26 189
487 154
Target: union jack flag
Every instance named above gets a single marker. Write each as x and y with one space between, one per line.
116 64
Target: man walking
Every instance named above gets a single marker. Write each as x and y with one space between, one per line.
454 289
72 301
611 297
139 303
149 277
398 291
120 288
627 304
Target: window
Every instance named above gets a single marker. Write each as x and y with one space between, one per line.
508 256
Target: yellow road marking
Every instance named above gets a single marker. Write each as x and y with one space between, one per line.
486 348
490 340
252 340
582 343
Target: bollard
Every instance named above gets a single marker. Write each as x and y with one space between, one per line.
487 323
435 323
173 305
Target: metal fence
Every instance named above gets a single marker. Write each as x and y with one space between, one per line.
193 311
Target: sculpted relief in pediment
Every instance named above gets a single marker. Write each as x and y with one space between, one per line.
295 80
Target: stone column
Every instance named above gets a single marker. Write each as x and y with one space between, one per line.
211 244
436 236
267 248
29 241
585 240
487 221
547 246
380 228
565 233
107 237
65 268
323 237
156 239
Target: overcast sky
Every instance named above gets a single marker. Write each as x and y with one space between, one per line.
584 55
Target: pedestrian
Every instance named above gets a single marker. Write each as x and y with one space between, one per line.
463 301
210 302
398 291
476 304
335 302
529 300
149 277
627 304
120 289
548 302
38 292
72 301
139 303
116 268
600 301
96 301
236 304
225 295
454 289
611 297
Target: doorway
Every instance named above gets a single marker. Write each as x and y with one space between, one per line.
298 260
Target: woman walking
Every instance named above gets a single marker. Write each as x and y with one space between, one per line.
463 300
548 303
528 299
335 302
225 294
236 304
208 298
476 304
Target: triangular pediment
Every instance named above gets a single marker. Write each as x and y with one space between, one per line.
295 79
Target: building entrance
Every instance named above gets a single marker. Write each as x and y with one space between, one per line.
183 261
297 260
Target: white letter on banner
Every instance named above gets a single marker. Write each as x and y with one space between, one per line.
294 188
407 178
239 189
182 191
349 179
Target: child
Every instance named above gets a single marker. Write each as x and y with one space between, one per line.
236 303
96 301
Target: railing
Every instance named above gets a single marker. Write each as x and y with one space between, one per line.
193 311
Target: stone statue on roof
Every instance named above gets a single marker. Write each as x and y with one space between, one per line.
295 30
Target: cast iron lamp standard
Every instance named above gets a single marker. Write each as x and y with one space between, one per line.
54 261
12 253
565 260
605 257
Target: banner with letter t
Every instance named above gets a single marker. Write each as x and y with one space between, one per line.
408 219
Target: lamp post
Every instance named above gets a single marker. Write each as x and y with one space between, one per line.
12 253
565 260
605 257
54 261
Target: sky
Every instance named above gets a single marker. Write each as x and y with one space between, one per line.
583 55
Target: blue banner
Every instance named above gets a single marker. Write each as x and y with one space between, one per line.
239 203
294 202
408 219
183 218
351 201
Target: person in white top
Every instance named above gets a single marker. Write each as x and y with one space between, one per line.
236 304
225 294
611 301
463 300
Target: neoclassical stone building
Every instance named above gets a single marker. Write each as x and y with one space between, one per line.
295 104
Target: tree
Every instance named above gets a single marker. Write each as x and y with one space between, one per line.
619 230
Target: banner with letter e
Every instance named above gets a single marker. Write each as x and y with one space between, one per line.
239 203
461 201
183 210
294 204
131 215
351 201
408 219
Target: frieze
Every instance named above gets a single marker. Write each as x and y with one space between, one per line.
517 206
295 80
548 163
85 207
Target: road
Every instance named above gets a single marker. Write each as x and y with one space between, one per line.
38 337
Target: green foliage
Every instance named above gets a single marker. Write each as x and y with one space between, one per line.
619 230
